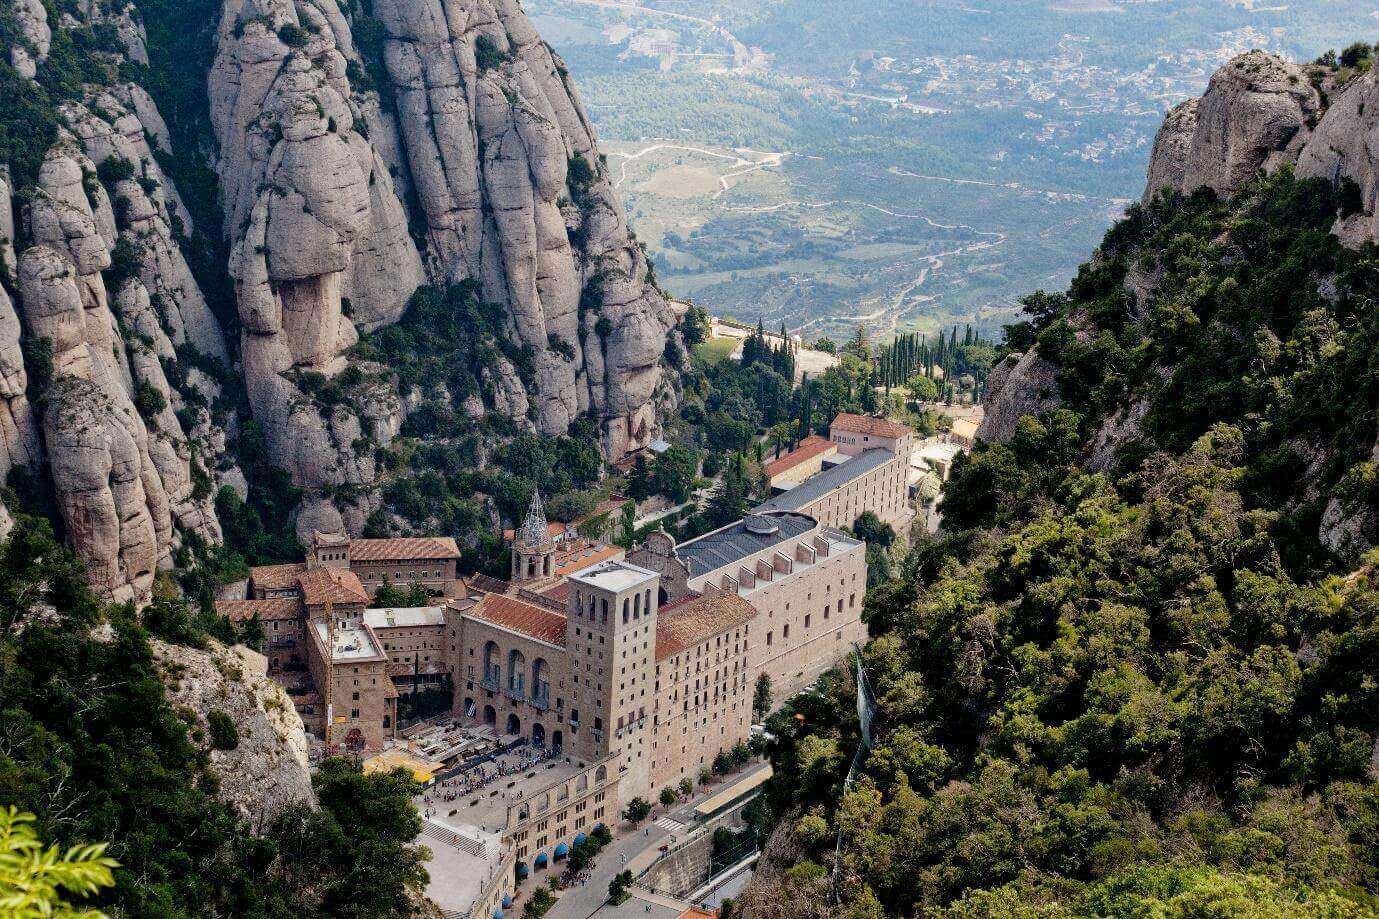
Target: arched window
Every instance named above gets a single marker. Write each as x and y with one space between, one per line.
517 676
492 668
541 681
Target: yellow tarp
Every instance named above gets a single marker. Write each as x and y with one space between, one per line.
422 769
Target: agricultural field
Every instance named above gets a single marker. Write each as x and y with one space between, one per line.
907 165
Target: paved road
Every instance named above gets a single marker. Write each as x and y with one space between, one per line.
580 902
635 849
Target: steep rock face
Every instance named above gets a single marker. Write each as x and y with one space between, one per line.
448 147
491 148
1261 112
121 480
32 20
266 771
1022 384
1172 148
1256 114
1346 143
19 442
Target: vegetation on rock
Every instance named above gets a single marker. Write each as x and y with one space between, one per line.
1144 690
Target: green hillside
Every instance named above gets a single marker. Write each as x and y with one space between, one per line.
1149 691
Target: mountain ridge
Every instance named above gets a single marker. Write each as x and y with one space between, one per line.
447 146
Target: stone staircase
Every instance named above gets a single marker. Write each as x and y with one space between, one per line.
454 840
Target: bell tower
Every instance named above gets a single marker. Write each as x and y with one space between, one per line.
533 549
611 636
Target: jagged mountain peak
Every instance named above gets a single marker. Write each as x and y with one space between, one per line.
361 152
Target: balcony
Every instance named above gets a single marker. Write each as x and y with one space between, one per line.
491 684
540 703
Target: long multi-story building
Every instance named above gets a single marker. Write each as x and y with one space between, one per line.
873 475
640 668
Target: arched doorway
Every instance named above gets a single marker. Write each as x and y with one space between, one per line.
490 716
558 741
514 724
538 734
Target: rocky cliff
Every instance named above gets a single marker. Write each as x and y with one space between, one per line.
1260 114
261 765
360 152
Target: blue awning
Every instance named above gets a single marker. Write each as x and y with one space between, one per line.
579 838
497 914
541 860
523 870
507 901
562 850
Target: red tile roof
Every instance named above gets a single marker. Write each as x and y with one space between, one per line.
276 577
559 592
243 610
810 447
580 557
866 424
522 617
336 585
689 623
403 549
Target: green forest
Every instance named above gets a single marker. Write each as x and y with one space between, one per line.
92 746
1148 690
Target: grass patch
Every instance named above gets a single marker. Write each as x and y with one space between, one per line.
714 351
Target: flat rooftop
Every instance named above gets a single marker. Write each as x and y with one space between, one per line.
934 450
463 860
352 642
390 617
736 541
820 484
487 808
614 576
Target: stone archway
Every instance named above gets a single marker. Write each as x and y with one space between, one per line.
490 716
538 734
558 741
514 724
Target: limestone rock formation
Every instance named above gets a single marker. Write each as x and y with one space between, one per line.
266 770
1022 384
448 146
1346 144
37 37
485 141
120 487
1256 114
1172 149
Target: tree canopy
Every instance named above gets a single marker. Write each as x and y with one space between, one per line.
1140 686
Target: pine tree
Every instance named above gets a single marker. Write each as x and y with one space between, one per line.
639 486
728 502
